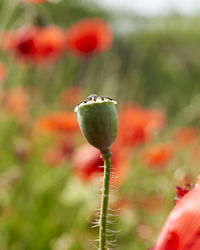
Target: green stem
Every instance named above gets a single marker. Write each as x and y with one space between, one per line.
106 156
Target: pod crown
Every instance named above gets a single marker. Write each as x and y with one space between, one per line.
95 99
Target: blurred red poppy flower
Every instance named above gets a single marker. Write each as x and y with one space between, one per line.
10 38
88 36
58 122
187 135
137 125
158 156
71 96
16 102
87 163
182 228
3 72
35 1
36 45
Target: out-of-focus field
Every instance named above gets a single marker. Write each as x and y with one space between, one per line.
49 175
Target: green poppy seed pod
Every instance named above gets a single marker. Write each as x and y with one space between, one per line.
97 117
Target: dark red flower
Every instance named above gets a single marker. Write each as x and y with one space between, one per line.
35 44
21 42
88 36
182 228
180 192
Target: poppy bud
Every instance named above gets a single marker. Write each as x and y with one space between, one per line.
97 117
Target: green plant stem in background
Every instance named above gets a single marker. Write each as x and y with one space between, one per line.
106 156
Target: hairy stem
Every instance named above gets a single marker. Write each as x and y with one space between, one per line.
106 156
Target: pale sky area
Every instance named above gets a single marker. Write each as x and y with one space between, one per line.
154 7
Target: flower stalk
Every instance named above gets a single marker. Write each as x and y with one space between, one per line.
97 117
106 156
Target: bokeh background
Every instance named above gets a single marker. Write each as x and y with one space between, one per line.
146 55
